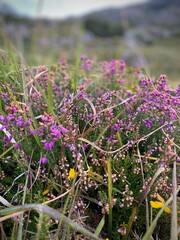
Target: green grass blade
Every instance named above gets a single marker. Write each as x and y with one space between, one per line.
143 196
20 229
50 95
119 139
51 213
149 232
109 169
75 77
100 226
174 233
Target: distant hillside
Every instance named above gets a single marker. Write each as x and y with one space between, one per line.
155 13
6 9
145 22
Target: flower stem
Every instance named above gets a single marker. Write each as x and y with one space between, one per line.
109 169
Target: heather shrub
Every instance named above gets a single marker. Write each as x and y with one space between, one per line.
102 143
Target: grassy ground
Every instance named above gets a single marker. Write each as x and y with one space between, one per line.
162 55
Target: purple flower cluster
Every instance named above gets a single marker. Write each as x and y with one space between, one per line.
145 82
147 122
48 143
42 76
114 67
15 122
50 131
83 128
86 64
162 82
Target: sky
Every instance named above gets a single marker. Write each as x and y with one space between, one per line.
63 8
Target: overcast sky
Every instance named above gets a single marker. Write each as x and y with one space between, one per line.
63 8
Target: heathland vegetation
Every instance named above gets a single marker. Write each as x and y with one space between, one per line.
89 144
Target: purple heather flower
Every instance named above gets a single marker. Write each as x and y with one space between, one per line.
63 129
20 122
114 67
28 122
15 109
84 147
7 139
1 118
115 127
5 97
87 65
162 82
40 131
72 147
147 122
80 95
79 155
175 101
32 132
145 82
10 118
47 119
100 203
16 146
55 132
3 127
110 138
48 145
83 57
121 81
129 94
43 160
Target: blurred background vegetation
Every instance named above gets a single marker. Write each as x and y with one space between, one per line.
144 35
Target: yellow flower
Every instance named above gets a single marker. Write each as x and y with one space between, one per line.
45 192
72 173
159 204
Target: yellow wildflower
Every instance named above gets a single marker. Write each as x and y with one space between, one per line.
159 204
45 192
72 173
